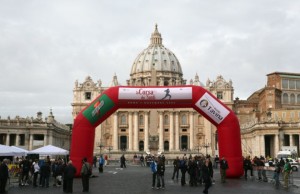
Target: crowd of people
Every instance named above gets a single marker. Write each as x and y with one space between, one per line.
39 172
198 170
281 166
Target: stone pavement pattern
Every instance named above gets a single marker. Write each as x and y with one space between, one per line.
138 180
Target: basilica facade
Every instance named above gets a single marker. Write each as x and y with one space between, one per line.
168 131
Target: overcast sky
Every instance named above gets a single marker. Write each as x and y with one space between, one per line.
46 45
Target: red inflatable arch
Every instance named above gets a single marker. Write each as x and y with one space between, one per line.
196 97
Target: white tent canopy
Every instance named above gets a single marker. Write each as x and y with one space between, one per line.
12 151
49 150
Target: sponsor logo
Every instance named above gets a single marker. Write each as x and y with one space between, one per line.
98 109
203 103
215 110
145 94
171 93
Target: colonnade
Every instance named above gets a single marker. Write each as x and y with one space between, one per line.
173 131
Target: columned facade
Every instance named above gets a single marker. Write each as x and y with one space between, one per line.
170 131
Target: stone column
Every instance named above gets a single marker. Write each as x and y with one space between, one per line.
136 132
177 131
171 148
257 146
45 139
276 148
192 131
7 139
130 131
30 141
291 140
262 145
115 132
146 131
17 139
161 132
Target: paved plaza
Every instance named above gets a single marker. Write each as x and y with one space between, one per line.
137 180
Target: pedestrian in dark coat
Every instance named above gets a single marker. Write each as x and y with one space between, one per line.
223 168
69 174
206 175
85 176
176 163
123 161
3 175
45 173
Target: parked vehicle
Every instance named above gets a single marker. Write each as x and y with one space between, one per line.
293 162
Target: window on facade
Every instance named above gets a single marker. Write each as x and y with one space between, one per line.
141 130
292 115
123 120
297 84
292 84
298 99
88 95
123 130
285 83
166 130
184 142
184 130
22 140
3 139
276 116
220 95
292 99
166 145
12 139
166 120
141 145
285 98
283 115
141 120
183 120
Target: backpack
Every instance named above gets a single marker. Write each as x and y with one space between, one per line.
89 170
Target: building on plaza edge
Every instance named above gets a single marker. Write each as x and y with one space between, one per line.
184 130
31 133
270 117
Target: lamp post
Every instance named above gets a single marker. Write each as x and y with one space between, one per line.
109 149
100 146
206 145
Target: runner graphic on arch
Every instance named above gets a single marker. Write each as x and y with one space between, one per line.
167 94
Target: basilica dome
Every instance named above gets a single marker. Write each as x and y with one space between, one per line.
156 65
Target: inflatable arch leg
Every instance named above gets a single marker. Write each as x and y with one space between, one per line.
196 97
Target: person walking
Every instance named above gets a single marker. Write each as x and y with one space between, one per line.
276 174
69 174
142 160
176 163
85 175
206 175
183 169
153 167
3 175
36 170
45 173
160 174
248 166
286 173
223 168
101 163
123 161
